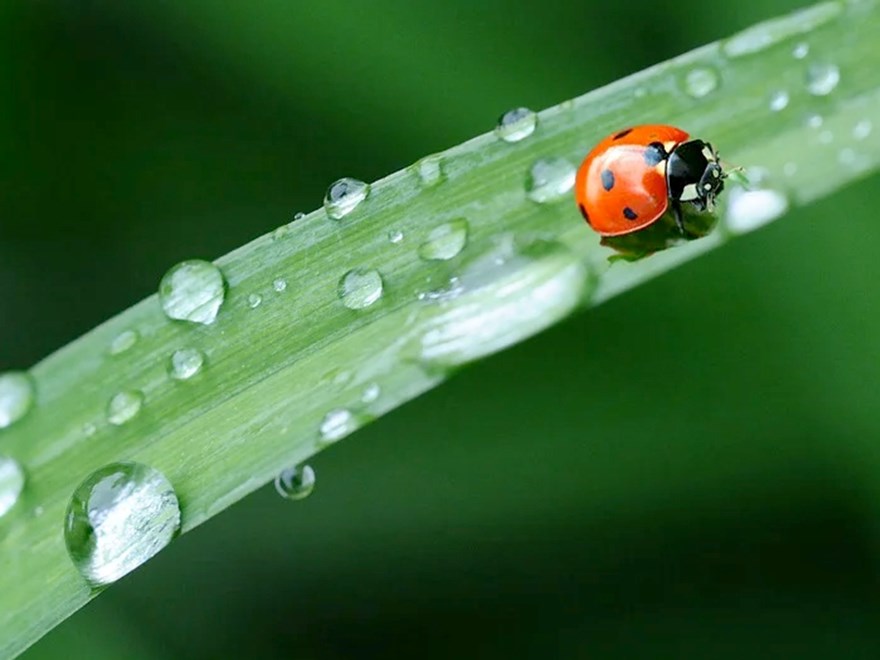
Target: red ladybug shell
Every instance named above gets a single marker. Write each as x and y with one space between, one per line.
621 185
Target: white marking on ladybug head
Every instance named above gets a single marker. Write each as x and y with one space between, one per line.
689 193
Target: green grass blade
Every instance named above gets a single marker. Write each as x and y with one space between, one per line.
273 372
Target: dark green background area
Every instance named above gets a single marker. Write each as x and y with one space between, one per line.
690 470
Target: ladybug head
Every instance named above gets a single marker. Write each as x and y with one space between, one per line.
693 174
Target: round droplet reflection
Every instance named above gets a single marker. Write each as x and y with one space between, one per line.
359 288
517 124
124 407
123 341
549 180
192 291
822 79
16 396
337 424
295 483
11 483
186 363
445 241
117 519
344 196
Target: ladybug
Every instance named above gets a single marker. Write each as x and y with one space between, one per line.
632 177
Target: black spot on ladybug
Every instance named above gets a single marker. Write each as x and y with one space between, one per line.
655 153
622 134
585 214
607 179
629 214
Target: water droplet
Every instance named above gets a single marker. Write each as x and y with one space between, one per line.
89 429
124 406
862 129
445 241
395 236
501 301
192 291
186 363
749 209
119 517
640 92
254 300
279 285
359 288
847 157
298 216
790 168
700 82
16 396
517 124
778 100
371 393
826 137
337 424
430 170
815 121
123 341
822 79
11 483
343 197
549 180
295 483
801 51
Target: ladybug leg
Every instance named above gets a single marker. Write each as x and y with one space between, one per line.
679 221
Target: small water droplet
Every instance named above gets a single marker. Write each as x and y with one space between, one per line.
11 483
279 285
186 363
749 209
815 121
124 406
342 378
700 82
778 100
801 51
790 168
123 341
371 393
16 396
549 180
395 236
254 300
192 291
445 241
89 429
295 483
337 424
847 157
299 215
640 92
430 170
826 137
517 124
39 511
360 287
822 79
862 129
119 517
343 197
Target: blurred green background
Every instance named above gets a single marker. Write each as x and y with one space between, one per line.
690 470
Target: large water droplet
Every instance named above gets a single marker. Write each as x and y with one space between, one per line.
822 79
11 483
296 483
192 291
123 341
517 124
360 288
117 519
186 363
748 210
445 241
549 180
430 170
779 100
343 197
700 82
16 396
503 298
337 424
124 406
